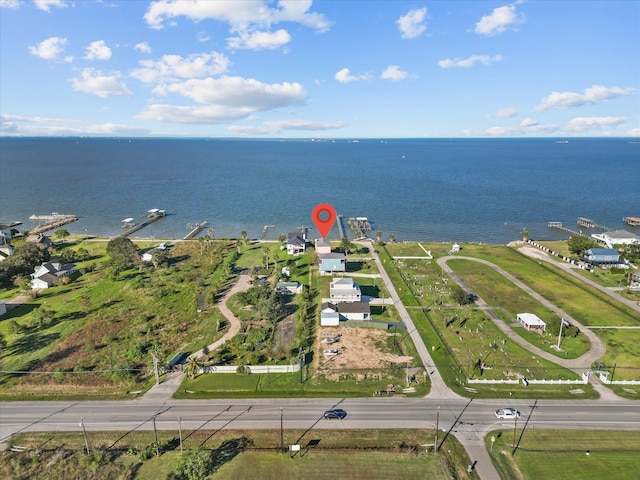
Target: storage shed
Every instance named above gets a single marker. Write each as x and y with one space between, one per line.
531 321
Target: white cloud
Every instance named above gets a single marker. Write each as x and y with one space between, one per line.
412 24
499 20
258 40
393 72
593 94
49 49
47 4
344 76
97 50
529 122
469 61
524 129
174 67
142 47
279 126
506 112
210 114
9 3
238 92
94 81
582 124
42 126
248 12
203 36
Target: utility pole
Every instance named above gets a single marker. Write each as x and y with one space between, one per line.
84 433
155 369
281 431
560 334
437 425
155 433
180 429
515 425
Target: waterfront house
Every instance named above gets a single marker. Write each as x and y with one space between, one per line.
42 241
602 257
531 321
323 246
344 290
5 241
296 243
332 263
616 237
48 274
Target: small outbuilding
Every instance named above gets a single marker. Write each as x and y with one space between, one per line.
531 321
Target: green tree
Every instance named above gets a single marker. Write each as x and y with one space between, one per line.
159 258
192 368
195 464
43 316
578 244
282 237
392 237
123 253
82 254
243 235
62 234
379 236
346 245
460 296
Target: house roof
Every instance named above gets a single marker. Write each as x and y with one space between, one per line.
620 234
342 282
321 242
328 305
332 256
531 319
603 251
354 307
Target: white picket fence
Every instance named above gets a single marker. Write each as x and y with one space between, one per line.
251 368
604 378
527 381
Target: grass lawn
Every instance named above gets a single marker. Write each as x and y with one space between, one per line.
553 454
325 454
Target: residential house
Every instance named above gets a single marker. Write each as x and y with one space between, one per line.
5 241
329 316
289 288
531 321
323 246
602 257
616 237
42 241
354 311
3 308
331 263
296 243
47 274
344 290
148 255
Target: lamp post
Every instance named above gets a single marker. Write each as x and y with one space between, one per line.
435 445
84 433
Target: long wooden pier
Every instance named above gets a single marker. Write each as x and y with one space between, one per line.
152 216
588 223
55 221
265 229
341 227
559 226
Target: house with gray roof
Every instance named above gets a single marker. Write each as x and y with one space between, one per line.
48 274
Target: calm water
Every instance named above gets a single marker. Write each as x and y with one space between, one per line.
484 190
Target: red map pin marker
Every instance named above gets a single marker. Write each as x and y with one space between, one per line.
324 225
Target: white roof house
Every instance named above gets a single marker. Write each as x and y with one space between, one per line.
531 321
329 316
616 237
345 290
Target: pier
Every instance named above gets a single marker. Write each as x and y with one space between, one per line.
559 226
360 226
152 215
264 231
588 223
53 221
196 229
632 221
341 227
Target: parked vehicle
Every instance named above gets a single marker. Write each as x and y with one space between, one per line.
508 412
335 413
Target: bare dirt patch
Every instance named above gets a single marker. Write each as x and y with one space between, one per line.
360 348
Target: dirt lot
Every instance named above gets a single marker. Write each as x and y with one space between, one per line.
359 348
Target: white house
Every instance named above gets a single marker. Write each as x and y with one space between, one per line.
47 274
616 237
531 321
296 243
329 316
354 311
344 290
5 238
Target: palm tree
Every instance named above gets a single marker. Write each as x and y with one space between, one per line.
243 234
392 237
192 368
379 236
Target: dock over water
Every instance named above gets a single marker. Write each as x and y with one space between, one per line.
588 223
360 226
152 215
632 221
197 228
53 221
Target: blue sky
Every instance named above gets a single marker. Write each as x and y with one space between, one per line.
322 69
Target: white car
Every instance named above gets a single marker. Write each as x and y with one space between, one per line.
503 413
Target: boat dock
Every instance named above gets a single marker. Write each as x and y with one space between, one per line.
53 221
152 215
195 230
360 226
588 223
341 227
632 221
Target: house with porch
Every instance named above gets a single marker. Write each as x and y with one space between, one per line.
48 274
344 289
331 263
602 257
